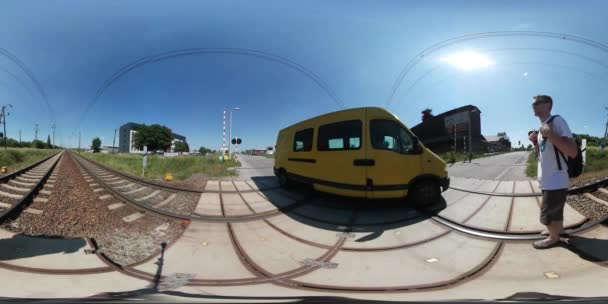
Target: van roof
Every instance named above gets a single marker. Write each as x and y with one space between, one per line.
336 112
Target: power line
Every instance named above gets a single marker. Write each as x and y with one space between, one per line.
449 42
206 51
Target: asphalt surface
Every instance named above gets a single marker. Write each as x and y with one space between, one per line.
505 167
255 166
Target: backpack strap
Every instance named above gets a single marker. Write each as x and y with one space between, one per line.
559 163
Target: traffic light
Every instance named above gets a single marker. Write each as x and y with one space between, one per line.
236 141
1 135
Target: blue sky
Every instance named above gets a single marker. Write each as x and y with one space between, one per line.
358 48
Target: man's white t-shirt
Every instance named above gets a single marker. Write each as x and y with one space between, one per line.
549 175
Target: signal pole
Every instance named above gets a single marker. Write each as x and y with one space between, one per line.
114 141
3 115
36 129
53 127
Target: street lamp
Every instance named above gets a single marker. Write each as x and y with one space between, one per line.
230 133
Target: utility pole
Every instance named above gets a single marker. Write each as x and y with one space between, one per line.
3 115
36 129
606 132
114 141
53 127
78 141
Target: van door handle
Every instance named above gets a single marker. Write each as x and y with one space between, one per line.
364 162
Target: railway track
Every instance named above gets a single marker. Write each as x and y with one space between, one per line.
334 239
19 188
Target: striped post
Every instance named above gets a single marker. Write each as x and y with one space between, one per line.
224 133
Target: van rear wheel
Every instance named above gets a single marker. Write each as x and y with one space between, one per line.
425 193
283 180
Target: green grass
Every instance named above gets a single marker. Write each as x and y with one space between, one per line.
597 161
17 158
181 167
532 165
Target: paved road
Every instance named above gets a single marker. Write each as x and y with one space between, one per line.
252 166
509 166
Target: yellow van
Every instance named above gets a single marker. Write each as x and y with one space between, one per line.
362 152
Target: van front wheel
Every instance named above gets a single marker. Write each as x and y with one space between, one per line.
425 193
283 180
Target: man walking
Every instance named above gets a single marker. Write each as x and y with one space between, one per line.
554 133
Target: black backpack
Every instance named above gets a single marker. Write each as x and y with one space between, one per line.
575 165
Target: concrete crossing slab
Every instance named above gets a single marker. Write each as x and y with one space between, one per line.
271 249
396 268
382 237
526 215
259 203
493 215
204 250
209 204
242 186
464 208
212 185
227 186
505 187
234 205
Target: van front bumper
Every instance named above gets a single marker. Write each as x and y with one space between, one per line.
445 183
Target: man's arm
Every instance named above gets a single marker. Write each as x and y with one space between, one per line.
566 145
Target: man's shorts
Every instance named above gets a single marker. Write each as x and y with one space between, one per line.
552 208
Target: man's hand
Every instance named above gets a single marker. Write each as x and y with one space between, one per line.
546 131
533 137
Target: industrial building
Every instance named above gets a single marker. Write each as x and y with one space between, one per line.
440 132
126 133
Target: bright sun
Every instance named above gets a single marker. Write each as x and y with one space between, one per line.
468 60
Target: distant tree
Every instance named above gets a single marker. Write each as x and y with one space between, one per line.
39 144
204 150
156 137
529 147
10 142
96 145
181 147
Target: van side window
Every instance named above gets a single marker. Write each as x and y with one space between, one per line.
345 135
302 141
390 135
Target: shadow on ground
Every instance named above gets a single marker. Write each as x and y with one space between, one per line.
593 250
344 214
21 246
